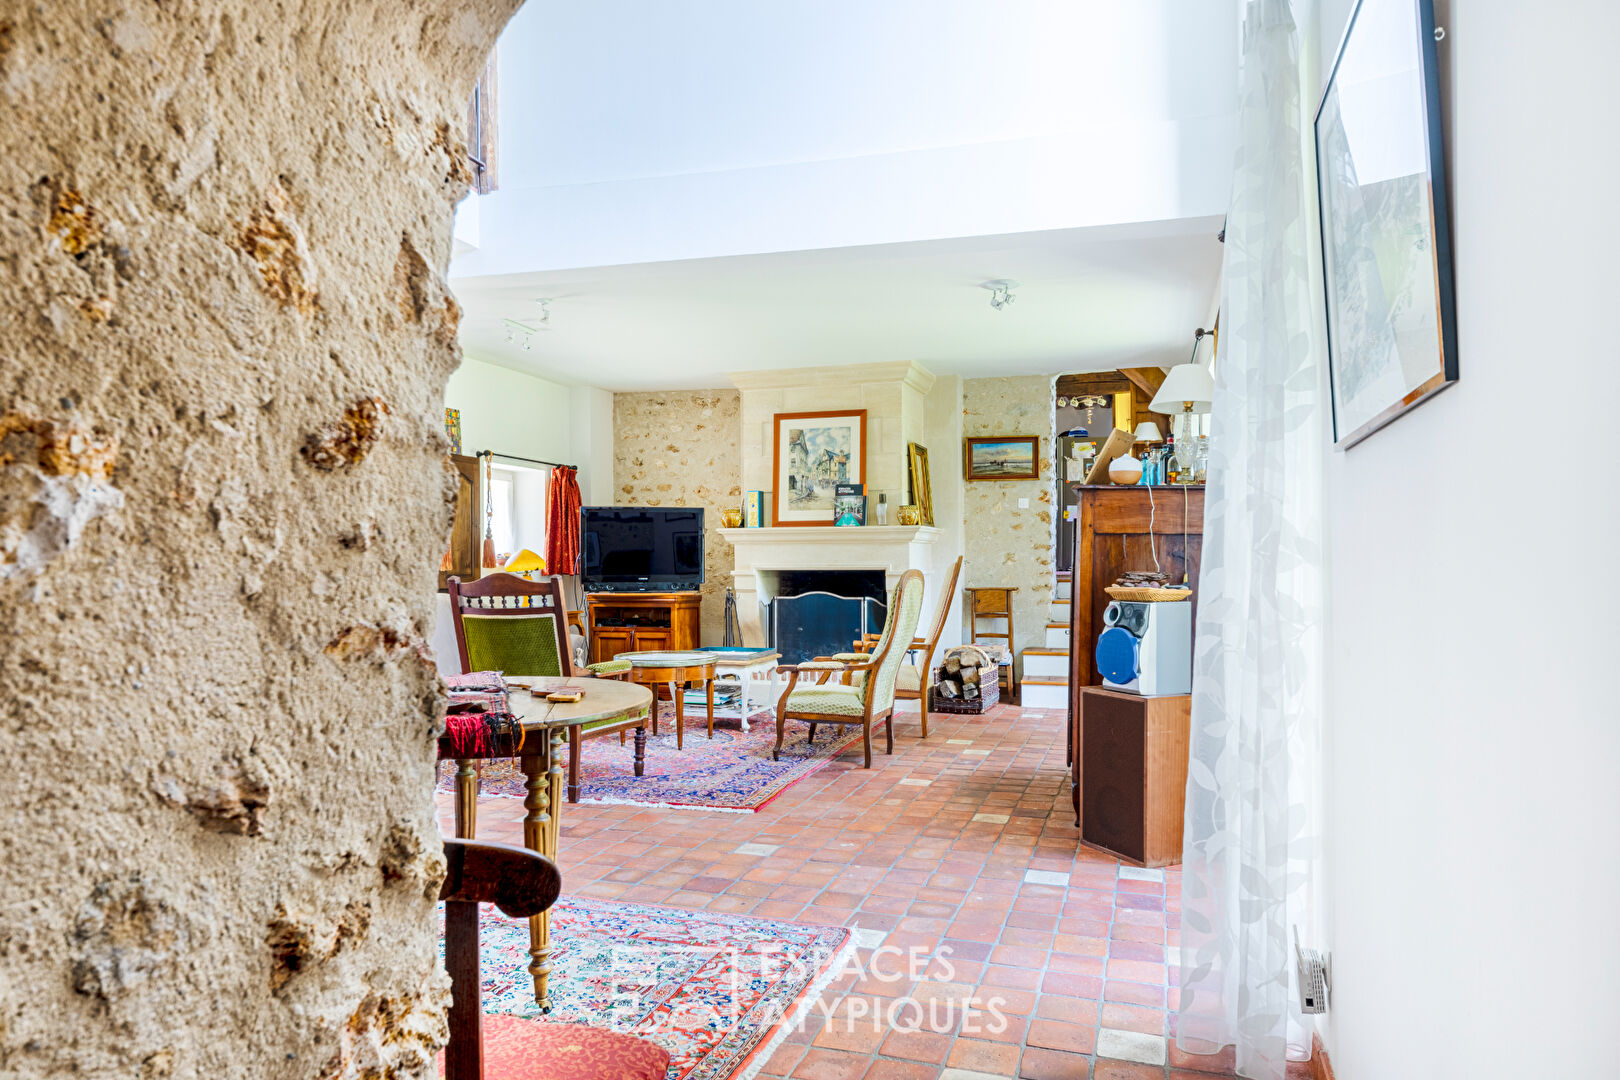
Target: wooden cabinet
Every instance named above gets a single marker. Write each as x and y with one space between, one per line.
641 622
1130 773
1119 529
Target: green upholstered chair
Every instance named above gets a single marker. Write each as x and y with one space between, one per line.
872 702
519 627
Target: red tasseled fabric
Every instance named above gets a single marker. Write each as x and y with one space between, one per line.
468 733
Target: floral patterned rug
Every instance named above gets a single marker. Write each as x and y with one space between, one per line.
713 989
731 772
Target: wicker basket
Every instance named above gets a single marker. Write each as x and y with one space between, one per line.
1146 596
989 694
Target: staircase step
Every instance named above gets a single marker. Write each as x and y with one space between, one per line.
1046 664
1042 694
1057 636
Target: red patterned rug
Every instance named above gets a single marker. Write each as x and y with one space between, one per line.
731 772
717 991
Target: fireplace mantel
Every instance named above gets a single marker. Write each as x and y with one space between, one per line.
761 554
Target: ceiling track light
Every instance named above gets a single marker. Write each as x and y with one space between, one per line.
1001 292
528 329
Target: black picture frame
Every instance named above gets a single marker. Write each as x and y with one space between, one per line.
1350 364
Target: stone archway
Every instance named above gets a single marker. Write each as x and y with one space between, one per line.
224 338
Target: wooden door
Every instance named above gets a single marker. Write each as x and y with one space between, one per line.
466 541
609 641
652 640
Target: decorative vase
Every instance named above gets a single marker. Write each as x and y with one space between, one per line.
1125 470
909 515
731 517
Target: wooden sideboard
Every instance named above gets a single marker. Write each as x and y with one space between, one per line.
641 622
1119 529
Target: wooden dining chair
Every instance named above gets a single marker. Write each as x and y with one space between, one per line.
520 883
870 703
912 682
519 627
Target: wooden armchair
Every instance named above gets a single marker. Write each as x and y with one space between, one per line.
519 627
522 884
912 682
872 702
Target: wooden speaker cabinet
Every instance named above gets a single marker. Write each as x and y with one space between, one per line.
1130 773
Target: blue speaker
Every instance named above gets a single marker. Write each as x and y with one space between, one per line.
1146 648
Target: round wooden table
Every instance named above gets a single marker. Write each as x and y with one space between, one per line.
545 726
675 668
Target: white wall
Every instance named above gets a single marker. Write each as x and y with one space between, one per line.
633 131
510 413
1473 734
942 434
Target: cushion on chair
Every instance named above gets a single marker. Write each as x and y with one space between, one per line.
833 700
908 678
609 667
512 644
520 1049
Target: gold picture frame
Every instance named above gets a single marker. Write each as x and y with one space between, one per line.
1002 457
922 492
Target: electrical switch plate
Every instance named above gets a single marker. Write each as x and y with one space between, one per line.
1023 504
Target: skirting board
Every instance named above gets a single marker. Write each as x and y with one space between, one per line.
1321 1067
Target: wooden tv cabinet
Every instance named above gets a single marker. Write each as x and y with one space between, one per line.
641 622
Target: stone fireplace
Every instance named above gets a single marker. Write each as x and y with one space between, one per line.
769 562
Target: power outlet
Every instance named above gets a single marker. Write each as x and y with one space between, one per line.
1023 504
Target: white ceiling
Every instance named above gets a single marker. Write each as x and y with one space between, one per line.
1090 299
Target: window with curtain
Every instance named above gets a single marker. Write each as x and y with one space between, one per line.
518 509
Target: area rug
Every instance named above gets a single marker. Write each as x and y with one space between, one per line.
717 991
731 772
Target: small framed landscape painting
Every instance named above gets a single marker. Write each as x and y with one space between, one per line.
1386 245
815 452
1004 457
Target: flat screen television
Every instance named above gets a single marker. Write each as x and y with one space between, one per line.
641 548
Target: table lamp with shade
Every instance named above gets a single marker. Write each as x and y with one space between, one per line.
1188 389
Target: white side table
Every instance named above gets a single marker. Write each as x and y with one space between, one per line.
750 667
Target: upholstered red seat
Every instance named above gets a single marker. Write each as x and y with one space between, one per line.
519 1049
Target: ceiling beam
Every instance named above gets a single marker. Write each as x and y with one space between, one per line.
1147 380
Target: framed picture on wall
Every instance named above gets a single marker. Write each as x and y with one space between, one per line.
1003 457
922 491
1386 241
815 452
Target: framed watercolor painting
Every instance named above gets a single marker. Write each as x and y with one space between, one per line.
1386 242
1003 457
815 452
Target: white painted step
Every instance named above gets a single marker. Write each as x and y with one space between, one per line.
1046 663
1059 611
1065 589
1043 694
1057 636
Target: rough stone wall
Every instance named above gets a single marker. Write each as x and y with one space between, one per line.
1005 544
224 339
683 448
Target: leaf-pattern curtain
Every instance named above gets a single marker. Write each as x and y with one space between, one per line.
1254 775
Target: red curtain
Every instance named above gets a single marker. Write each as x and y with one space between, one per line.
562 521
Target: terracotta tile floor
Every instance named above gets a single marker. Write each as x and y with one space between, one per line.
964 842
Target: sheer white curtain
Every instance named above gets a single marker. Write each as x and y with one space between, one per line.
1253 780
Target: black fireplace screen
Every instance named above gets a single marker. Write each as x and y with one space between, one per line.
816 624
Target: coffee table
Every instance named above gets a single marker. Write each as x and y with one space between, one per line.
540 758
675 669
747 666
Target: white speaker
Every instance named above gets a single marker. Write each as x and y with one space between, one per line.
1146 648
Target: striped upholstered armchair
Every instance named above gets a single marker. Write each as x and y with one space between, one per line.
872 702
